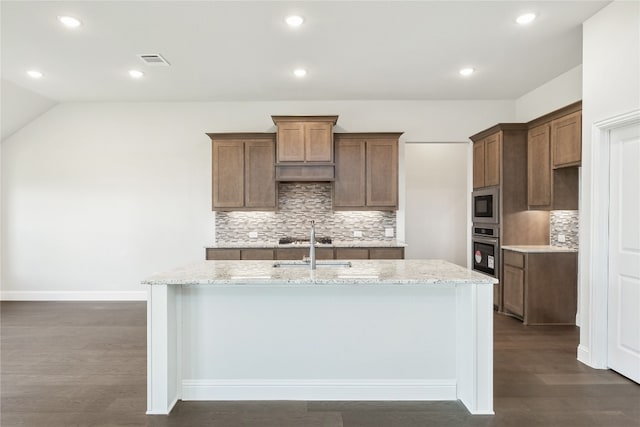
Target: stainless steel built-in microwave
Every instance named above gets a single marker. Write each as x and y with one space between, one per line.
485 205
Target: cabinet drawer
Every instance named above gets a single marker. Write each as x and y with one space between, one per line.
300 253
223 254
256 254
352 253
386 253
515 259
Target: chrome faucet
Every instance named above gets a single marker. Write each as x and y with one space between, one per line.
312 245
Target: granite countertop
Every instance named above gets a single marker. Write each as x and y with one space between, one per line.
362 272
334 244
537 248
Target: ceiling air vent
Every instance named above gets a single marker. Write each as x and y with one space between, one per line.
153 59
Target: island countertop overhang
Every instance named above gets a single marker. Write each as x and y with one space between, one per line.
362 272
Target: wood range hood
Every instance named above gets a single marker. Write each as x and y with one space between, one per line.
304 148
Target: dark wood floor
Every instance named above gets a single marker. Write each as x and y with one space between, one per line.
84 364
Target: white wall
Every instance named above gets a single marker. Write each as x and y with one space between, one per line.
611 86
557 93
19 106
96 196
437 208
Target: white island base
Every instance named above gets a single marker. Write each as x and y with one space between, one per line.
223 331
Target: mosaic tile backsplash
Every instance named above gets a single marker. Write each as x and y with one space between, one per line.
564 222
300 203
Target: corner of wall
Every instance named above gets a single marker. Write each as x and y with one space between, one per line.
556 93
19 107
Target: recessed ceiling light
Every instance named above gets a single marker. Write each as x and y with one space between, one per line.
34 74
136 74
526 18
467 71
300 72
294 20
69 21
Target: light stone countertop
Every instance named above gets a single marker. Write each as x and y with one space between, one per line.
362 272
334 244
537 248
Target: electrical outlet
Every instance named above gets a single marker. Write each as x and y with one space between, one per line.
357 233
253 234
562 238
388 232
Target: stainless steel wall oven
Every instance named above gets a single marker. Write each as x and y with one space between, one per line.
485 249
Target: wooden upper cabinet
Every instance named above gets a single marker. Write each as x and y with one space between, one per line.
486 161
539 179
318 138
366 171
492 160
243 174
291 142
382 173
350 181
259 174
566 139
305 138
228 174
478 164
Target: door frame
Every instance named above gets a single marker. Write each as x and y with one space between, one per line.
596 287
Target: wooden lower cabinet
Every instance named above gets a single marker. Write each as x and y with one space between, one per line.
540 287
386 253
513 289
352 253
222 254
239 254
300 253
256 254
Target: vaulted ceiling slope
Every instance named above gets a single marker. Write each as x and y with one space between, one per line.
19 106
243 50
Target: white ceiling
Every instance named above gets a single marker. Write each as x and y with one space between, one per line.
240 50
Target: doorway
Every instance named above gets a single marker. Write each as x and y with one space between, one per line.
614 259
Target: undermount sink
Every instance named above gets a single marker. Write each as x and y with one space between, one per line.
319 263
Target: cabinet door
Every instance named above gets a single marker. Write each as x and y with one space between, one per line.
291 142
291 253
256 254
260 184
492 160
478 164
228 174
566 137
349 185
496 296
352 253
539 166
382 173
300 253
386 253
513 290
318 137
222 254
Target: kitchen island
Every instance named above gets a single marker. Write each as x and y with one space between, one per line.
375 330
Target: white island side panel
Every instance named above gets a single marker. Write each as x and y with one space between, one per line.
323 333
381 330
